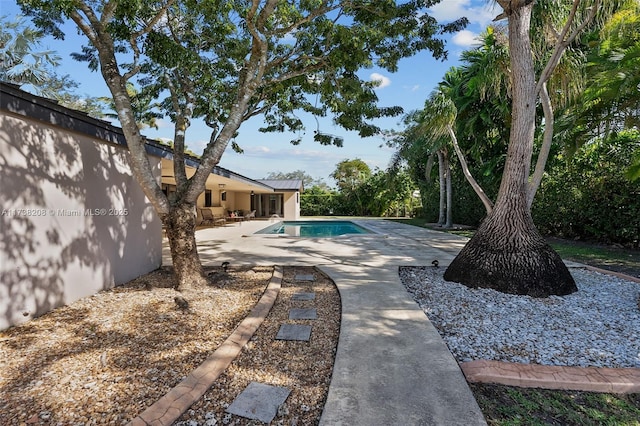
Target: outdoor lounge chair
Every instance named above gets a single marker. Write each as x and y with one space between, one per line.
208 218
250 215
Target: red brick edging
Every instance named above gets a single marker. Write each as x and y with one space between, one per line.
170 407
590 379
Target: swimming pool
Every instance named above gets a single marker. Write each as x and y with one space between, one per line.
314 228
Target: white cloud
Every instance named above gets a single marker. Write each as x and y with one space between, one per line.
163 124
465 38
384 81
478 11
449 10
257 150
288 152
197 146
413 88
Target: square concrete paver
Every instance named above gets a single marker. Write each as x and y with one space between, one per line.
259 402
294 332
303 296
305 277
303 314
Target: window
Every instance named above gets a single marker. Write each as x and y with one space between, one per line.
207 198
223 195
169 191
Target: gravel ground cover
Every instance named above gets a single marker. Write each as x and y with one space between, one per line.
104 358
303 367
597 326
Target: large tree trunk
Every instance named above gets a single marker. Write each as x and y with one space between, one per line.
507 253
180 226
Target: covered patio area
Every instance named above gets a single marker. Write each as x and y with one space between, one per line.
233 197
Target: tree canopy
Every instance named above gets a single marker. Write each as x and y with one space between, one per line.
24 63
227 61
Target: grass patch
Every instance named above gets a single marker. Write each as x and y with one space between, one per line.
613 258
505 405
606 257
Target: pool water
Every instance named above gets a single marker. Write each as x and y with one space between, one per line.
314 228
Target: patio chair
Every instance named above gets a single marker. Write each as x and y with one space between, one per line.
219 220
251 214
207 217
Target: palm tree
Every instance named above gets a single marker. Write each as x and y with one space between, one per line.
611 99
23 63
414 145
438 121
20 62
507 252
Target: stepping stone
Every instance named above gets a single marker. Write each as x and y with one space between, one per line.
303 314
305 277
294 332
259 402
303 296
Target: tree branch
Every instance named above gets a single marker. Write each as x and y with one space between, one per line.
488 204
133 40
181 125
86 27
543 155
563 41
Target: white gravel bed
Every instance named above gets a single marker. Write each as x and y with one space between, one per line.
597 326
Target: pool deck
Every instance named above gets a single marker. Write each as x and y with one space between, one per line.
393 245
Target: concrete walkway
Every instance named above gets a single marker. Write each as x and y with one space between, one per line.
391 366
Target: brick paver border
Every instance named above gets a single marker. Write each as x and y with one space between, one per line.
170 407
590 379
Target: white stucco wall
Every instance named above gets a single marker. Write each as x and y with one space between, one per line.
74 220
292 205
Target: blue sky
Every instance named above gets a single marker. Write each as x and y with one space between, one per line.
272 152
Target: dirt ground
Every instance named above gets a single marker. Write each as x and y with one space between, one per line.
105 358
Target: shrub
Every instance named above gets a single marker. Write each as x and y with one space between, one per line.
589 197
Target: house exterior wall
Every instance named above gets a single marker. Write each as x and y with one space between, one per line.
292 205
74 220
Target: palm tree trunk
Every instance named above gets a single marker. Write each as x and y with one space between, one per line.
447 171
486 202
507 253
442 183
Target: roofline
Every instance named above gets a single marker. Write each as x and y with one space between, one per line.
298 189
17 101
163 151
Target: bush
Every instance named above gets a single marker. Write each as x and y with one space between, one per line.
589 197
